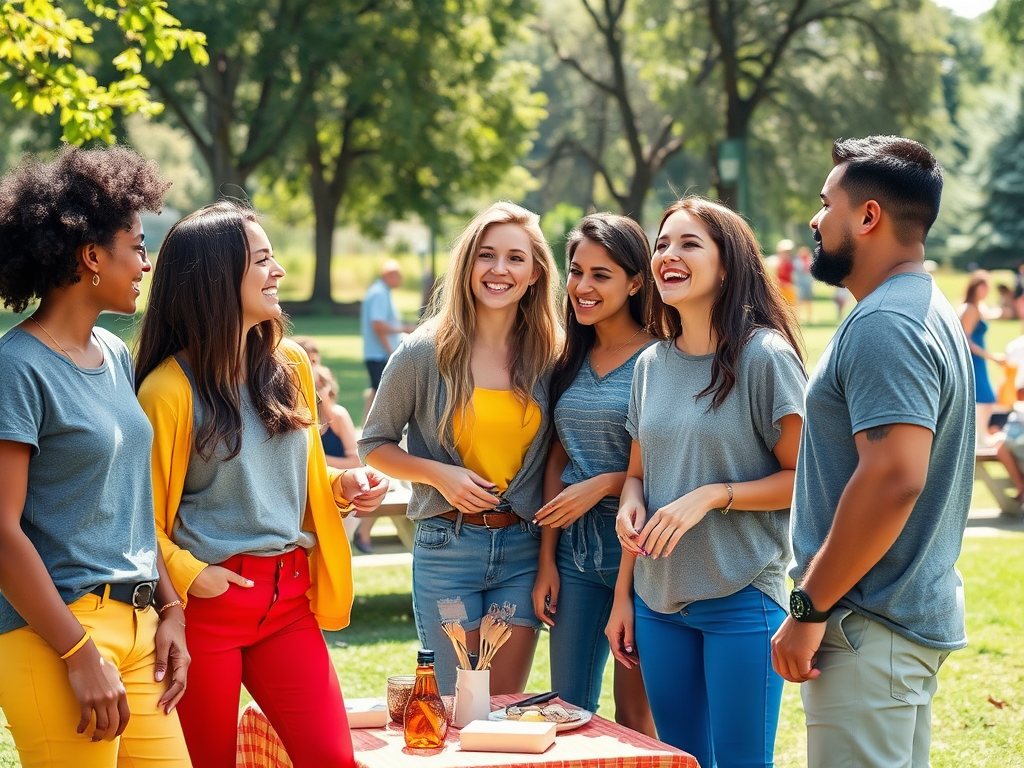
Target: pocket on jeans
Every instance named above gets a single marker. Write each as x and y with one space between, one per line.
844 631
430 535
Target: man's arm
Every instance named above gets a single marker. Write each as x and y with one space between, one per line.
891 471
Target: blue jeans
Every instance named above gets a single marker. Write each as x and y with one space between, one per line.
579 648
709 677
474 567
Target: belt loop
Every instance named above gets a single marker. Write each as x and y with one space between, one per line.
105 596
458 521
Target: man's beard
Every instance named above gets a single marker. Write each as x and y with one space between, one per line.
833 267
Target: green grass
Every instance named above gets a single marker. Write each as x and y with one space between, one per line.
967 729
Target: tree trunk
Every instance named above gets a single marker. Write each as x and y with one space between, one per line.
325 207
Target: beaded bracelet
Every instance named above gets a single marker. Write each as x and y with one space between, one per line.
77 646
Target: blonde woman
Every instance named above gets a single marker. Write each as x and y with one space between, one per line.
471 385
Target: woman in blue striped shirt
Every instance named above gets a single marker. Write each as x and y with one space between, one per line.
612 312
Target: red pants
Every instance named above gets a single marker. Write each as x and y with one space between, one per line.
266 637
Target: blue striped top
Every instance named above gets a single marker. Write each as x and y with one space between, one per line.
590 421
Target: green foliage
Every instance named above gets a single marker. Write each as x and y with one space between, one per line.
557 224
1001 232
41 47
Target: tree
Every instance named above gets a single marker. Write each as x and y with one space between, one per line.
649 143
1001 232
416 113
41 48
875 66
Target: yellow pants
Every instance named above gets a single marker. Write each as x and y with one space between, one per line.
43 712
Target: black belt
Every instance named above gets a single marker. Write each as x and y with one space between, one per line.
138 596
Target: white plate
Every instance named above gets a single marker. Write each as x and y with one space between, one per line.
500 714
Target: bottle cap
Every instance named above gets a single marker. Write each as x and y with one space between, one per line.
424 656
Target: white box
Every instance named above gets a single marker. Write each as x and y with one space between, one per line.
507 736
366 713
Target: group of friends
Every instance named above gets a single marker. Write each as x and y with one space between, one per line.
635 465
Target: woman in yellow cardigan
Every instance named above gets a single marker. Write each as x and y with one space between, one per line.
248 514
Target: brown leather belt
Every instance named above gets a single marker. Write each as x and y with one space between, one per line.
486 519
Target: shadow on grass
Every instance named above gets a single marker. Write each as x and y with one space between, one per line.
377 618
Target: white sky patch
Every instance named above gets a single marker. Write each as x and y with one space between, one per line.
967 8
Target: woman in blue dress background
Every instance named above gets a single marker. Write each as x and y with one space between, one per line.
974 315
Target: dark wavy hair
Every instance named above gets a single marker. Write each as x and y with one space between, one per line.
626 243
195 304
49 208
748 301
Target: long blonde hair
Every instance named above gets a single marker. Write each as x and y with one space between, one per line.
535 335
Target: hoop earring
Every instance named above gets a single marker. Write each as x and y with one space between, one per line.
95 279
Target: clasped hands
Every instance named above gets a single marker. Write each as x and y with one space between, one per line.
659 536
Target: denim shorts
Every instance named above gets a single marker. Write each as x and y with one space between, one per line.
476 567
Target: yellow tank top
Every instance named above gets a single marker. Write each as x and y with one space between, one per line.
496 434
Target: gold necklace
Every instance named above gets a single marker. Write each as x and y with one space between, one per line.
595 366
66 353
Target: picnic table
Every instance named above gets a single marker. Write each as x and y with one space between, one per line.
999 487
597 744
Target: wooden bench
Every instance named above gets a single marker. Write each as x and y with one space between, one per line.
1000 487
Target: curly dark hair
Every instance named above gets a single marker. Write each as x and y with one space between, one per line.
48 208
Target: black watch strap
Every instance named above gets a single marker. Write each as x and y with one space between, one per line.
802 609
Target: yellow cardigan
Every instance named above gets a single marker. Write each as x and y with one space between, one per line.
166 397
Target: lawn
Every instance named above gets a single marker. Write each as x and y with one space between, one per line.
969 729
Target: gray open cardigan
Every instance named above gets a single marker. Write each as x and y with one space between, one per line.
412 394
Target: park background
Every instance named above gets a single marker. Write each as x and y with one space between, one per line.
366 129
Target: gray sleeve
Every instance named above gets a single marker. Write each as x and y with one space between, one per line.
395 402
635 398
21 403
889 373
777 386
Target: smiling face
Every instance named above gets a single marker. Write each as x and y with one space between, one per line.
598 287
503 268
121 265
687 266
259 284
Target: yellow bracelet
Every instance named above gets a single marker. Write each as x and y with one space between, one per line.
170 605
77 646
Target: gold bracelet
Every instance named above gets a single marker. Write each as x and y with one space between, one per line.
77 646
728 506
170 605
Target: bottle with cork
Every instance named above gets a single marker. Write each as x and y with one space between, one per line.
426 722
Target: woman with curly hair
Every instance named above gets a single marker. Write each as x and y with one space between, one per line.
249 516
472 386
91 629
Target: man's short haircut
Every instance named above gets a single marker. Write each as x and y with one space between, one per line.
900 174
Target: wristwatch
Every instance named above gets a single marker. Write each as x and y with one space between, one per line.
802 609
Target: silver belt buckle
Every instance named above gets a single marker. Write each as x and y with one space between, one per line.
142 595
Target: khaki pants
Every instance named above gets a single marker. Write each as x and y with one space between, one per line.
871 706
42 709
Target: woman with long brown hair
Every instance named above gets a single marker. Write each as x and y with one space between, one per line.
471 384
715 418
248 513
612 312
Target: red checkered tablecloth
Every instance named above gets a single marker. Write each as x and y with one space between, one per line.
598 744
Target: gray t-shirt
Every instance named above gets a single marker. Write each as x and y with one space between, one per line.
377 305
89 507
901 357
685 445
252 503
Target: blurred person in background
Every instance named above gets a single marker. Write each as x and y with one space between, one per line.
974 316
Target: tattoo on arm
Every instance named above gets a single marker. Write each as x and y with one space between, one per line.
878 433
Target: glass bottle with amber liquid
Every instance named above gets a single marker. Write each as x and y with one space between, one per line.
426 723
